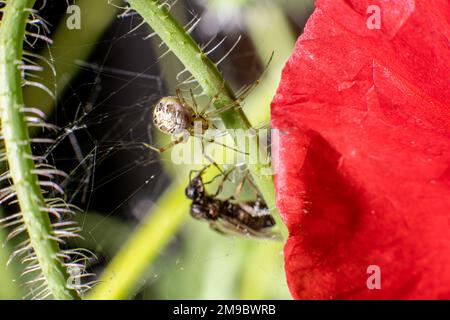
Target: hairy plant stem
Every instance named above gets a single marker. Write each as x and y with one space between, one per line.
211 81
18 150
68 48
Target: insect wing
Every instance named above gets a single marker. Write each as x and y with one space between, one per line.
232 226
248 207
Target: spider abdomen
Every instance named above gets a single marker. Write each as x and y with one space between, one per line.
171 116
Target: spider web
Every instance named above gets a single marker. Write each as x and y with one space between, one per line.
103 119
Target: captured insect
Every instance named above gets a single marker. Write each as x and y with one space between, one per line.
245 218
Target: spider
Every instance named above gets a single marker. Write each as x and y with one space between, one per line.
173 114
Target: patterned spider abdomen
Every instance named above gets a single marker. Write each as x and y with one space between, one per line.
171 116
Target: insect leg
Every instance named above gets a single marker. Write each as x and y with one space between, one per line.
208 157
222 183
224 145
240 186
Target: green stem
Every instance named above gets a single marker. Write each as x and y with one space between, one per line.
210 79
194 60
18 150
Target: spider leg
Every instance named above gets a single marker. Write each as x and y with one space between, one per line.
200 172
180 97
164 148
215 112
223 133
194 103
248 89
224 145
210 103
178 94
243 94
262 125
236 103
212 100
259 199
149 133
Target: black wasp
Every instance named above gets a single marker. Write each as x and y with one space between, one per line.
246 218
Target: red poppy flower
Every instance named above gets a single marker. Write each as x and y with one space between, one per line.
363 156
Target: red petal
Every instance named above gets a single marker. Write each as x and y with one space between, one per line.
363 158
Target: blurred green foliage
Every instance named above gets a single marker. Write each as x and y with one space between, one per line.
193 262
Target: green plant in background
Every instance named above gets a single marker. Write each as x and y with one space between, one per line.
9 273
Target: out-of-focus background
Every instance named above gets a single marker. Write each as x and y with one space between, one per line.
108 74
